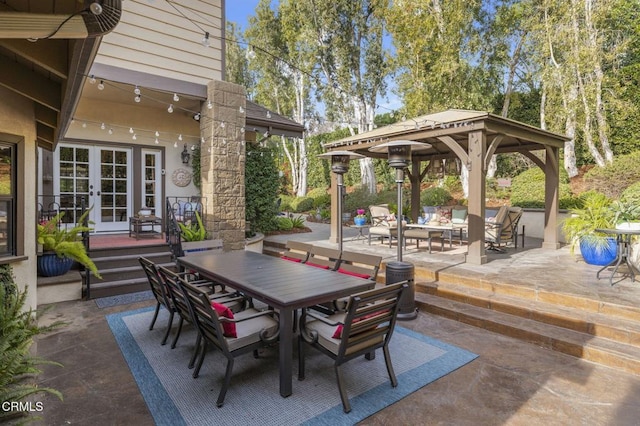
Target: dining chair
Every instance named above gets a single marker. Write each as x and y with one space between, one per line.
172 280
323 257
367 325
160 292
361 265
296 251
232 334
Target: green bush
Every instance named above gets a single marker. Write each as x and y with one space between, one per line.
18 328
631 195
298 222
527 190
302 204
452 184
614 178
261 189
435 196
359 198
320 197
285 204
284 224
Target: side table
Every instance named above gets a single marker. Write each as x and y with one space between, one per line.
623 241
360 235
145 226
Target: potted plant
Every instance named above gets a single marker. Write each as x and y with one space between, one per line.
580 229
61 246
191 231
360 218
627 215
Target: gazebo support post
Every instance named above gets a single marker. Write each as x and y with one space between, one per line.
551 198
477 147
416 208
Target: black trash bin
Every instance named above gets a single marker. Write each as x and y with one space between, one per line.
403 271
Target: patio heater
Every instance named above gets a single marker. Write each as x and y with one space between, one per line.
399 158
340 166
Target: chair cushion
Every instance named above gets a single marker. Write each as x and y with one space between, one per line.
228 328
249 330
458 215
315 265
355 274
326 331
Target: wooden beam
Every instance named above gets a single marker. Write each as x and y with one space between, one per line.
29 84
46 116
531 156
45 133
491 149
457 149
52 55
526 134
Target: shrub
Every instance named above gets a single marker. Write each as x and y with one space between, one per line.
297 222
527 190
302 204
614 178
631 195
261 188
435 196
320 197
359 198
285 204
284 224
18 327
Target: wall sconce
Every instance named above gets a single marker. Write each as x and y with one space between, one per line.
185 155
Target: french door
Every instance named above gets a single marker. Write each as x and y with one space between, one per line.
101 175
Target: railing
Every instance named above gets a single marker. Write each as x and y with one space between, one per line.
180 210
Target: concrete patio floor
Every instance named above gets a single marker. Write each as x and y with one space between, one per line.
511 383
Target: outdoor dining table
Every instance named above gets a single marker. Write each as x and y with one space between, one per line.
623 242
283 285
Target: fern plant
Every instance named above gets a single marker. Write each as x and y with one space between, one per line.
193 231
18 327
66 242
595 213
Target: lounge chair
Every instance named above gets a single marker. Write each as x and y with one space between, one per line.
503 228
382 223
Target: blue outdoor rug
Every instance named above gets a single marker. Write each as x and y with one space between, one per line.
123 299
175 398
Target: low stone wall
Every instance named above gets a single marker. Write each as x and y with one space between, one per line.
533 222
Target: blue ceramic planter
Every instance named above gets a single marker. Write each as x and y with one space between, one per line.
50 265
598 254
359 221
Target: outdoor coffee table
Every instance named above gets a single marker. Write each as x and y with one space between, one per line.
285 286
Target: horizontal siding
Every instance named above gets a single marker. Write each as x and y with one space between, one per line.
154 38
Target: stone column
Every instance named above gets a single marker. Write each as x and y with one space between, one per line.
223 157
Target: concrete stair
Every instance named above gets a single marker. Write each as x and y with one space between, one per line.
121 271
606 333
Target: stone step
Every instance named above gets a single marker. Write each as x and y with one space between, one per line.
113 288
602 325
582 345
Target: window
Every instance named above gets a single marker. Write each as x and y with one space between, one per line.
7 199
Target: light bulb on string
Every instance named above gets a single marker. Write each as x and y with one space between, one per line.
131 130
102 126
180 137
202 140
176 98
209 105
136 91
205 40
101 85
134 137
110 131
157 134
84 125
92 80
156 141
241 109
223 125
268 114
137 99
175 144
250 54
170 109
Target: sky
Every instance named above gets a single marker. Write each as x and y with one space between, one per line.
238 11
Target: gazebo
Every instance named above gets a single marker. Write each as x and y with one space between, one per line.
472 137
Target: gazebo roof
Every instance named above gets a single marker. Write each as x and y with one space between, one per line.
455 124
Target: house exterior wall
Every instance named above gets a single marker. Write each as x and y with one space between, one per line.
17 117
154 38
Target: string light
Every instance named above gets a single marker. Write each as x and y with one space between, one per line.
92 80
157 141
175 144
102 126
134 137
209 105
131 130
157 134
137 98
250 54
241 109
136 91
101 85
84 125
110 131
176 98
170 109
180 137
268 114
205 40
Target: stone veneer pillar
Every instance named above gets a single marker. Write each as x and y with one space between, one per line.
223 163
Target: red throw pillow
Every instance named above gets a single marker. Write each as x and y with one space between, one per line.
338 333
315 265
228 328
355 274
291 259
